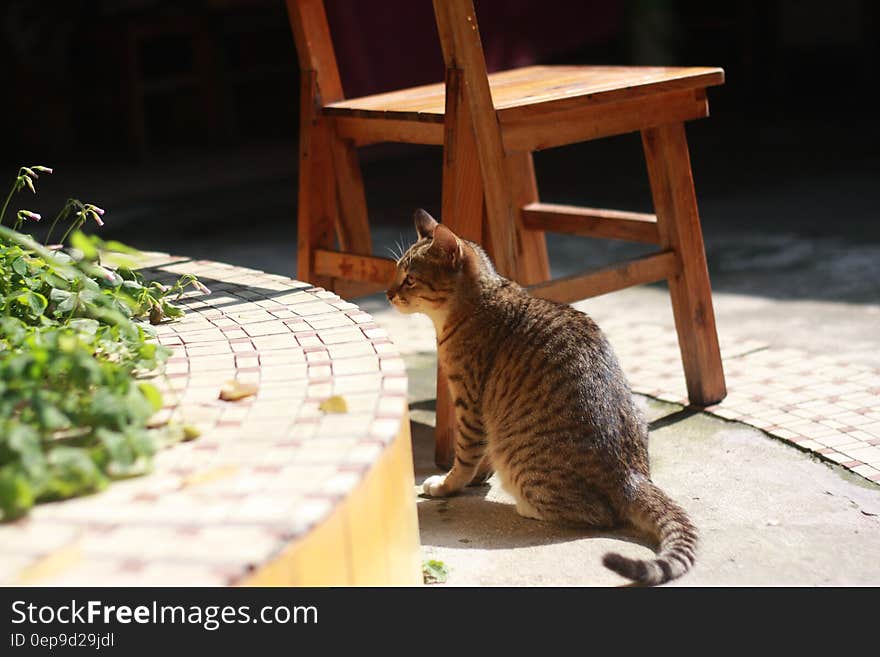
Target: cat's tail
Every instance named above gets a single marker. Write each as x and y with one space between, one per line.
654 512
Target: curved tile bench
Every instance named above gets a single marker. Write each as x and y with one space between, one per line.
275 491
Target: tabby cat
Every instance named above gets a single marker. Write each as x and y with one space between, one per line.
541 400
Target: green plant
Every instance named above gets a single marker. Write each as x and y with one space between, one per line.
434 572
25 178
74 355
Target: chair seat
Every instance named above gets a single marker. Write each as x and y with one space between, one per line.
552 88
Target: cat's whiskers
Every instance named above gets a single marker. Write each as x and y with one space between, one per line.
398 250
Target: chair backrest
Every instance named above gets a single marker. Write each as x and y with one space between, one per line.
460 40
463 53
314 47
466 75
456 24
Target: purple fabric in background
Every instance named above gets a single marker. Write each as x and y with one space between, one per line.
391 44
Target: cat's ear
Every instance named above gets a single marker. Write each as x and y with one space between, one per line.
448 245
425 223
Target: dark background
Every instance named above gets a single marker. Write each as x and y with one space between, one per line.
180 118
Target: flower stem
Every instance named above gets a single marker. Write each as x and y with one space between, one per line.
75 225
8 198
58 216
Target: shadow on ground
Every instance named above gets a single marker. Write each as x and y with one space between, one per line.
486 507
768 514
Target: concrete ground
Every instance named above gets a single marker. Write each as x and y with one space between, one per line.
768 514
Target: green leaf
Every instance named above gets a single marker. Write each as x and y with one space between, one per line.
24 442
64 301
138 406
85 325
118 247
130 274
80 241
34 302
125 453
434 572
62 257
171 311
152 394
89 296
50 416
16 494
117 448
71 472
20 266
109 278
12 328
38 303
56 280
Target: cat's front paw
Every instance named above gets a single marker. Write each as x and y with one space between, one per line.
435 486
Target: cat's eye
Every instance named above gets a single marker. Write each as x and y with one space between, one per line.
409 281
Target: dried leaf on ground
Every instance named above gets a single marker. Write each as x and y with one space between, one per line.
334 404
191 432
234 390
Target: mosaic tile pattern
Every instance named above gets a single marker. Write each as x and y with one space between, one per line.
820 404
824 405
816 402
264 471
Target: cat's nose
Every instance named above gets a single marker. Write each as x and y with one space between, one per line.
390 294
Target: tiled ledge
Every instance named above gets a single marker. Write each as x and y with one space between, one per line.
269 471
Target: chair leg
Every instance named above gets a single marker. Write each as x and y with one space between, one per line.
352 226
444 433
678 221
532 265
462 212
317 204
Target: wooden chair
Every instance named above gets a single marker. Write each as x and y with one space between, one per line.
489 125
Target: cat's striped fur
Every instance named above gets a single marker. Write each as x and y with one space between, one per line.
540 398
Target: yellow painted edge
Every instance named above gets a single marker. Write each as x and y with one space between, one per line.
52 564
370 538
